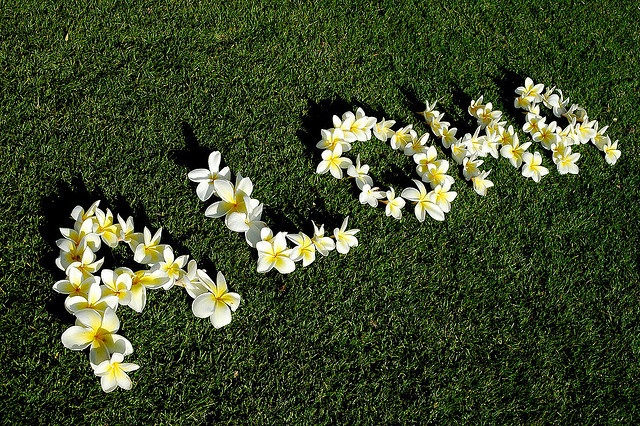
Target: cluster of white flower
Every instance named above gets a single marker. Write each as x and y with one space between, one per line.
243 213
359 128
579 129
94 299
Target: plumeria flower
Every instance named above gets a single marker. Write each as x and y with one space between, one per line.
459 151
394 204
492 142
73 236
248 222
600 139
547 135
550 99
331 138
487 115
323 244
171 266
217 303
140 282
355 127
586 131
192 282
275 254
475 106
113 373
531 90
371 195
437 125
566 162
442 196
80 215
304 249
470 167
332 161
449 136
561 108
423 160
423 201
611 152
72 253
97 332
534 121
481 183
345 239
360 174
507 136
206 177
416 146
76 283
532 166
232 197
436 173
403 136
150 250
117 284
514 152
96 299
429 112
382 130
128 234
475 144
106 228
88 264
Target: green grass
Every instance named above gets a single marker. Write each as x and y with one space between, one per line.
521 308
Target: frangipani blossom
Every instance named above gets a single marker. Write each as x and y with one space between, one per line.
73 236
232 198
216 304
394 204
323 244
611 152
113 373
481 183
459 151
402 136
470 167
423 202
98 333
476 144
436 173
475 106
128 234
449 136
117 284
333 162
206 177
88 264
547 135
437 125
97 298
171 266
566 162
150 250
106 228
442 196
140 282
331 138
423 160
416 146
429 112
304 250
514 152
275 254
248 222
371 195
76 283
359 173
532 166
531 90
382 130
345 239
80 215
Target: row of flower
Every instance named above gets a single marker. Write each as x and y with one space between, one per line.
243 214
94 295
492 137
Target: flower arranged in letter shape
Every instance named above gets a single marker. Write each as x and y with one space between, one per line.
94 300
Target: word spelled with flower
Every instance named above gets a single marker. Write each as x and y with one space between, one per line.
94 295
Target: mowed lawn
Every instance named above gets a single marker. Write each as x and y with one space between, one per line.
522 307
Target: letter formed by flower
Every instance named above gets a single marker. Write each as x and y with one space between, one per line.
217 303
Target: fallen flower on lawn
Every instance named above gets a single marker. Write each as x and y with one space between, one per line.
532 166
205 178
345 239
216 304
113 373
275 254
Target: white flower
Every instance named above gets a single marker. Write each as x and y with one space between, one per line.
470 167
481 183
382 130
394 204
217 303
150 250
275 254
232 198
611 152
332 161
370 195
248 222
345 239
206 177
443 197
532 166
423 201
304 249
566 162
323 244
113 373
403 136
359 173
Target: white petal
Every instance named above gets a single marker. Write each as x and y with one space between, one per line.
203 306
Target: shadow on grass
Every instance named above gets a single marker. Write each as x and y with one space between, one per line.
56 209
507 84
